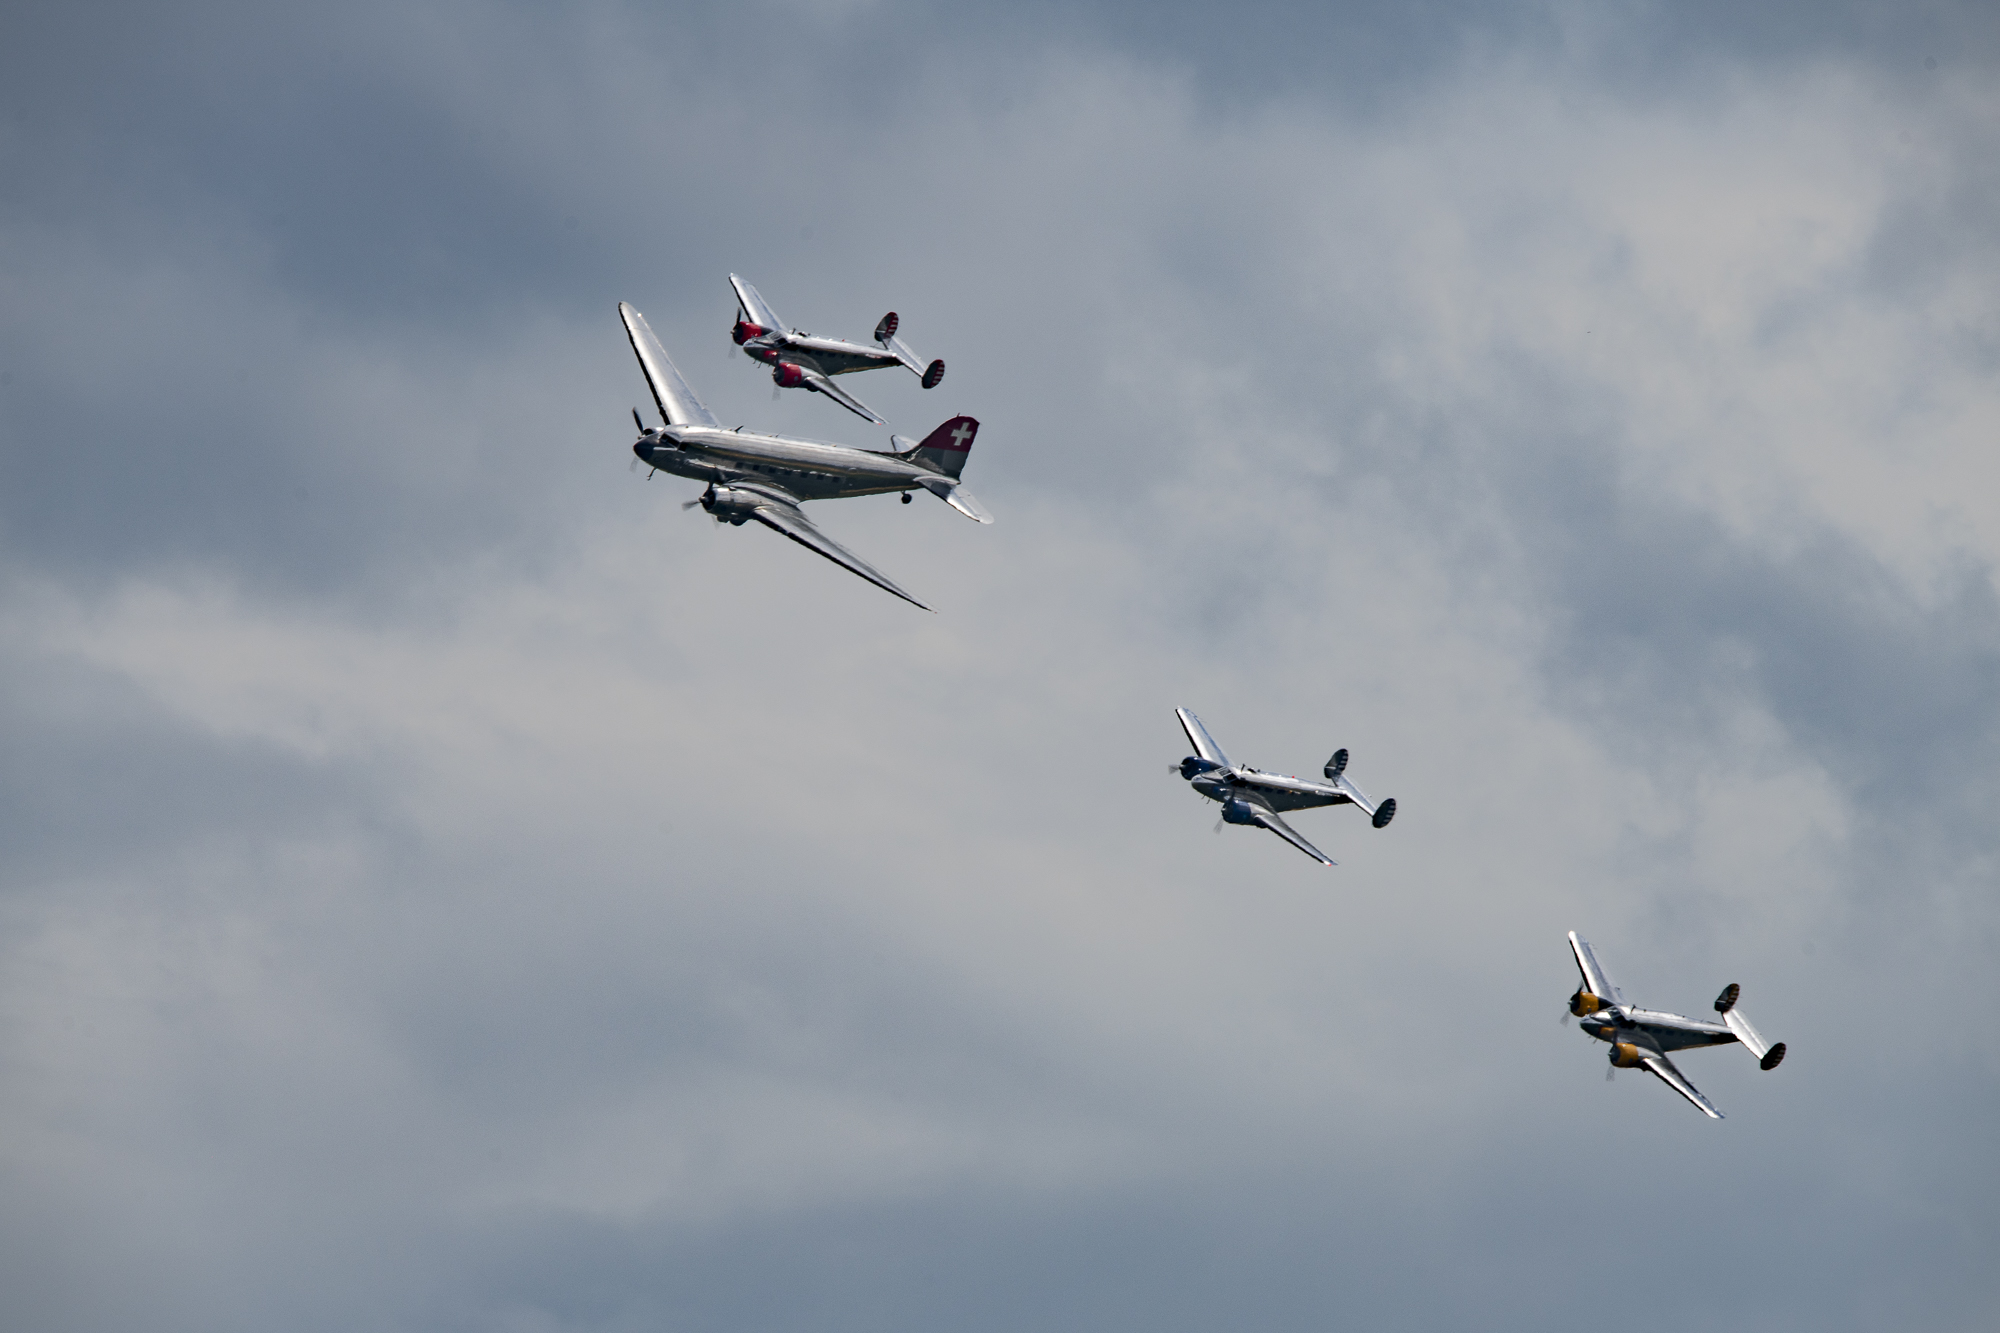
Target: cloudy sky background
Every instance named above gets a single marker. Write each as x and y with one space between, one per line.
445 886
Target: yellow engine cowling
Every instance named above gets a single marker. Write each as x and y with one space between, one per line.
1583 1002
1624 1055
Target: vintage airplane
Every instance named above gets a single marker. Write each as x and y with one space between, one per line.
800 361
1249 796
768 477
1641 1038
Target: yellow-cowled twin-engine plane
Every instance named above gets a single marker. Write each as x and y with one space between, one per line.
1641 1038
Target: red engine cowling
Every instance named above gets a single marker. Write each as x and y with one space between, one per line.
787 376
745 331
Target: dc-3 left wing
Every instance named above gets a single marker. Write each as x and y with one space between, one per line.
1663 1069
677 403
1268 818
784 516
755 306
843 397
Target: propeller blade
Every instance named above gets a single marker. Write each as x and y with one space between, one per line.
1611 1074
776 390
635 421
690 504
1218 825
1565 1022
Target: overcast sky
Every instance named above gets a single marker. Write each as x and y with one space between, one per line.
446 886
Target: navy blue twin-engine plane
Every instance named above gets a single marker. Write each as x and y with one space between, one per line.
1252 797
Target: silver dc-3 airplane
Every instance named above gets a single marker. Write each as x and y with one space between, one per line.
798 360
1641 1038
1249 796
768 477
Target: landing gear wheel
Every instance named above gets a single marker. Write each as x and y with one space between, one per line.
906 497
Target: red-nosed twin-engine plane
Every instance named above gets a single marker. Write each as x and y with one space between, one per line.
798 360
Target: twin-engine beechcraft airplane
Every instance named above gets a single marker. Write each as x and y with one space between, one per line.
800 361
1641 1038
768 477
1249 796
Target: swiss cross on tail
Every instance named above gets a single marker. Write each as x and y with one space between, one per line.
946 447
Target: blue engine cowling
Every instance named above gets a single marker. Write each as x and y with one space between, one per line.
1193 766
1236 810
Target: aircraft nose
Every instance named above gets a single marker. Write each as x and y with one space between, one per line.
644 449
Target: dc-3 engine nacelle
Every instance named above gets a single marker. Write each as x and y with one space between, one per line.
1583 1003
1193 766
745 331
787 376
730 504
1624 1055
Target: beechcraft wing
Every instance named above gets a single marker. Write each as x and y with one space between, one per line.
1198 737
755 306
839 395
1663 1069
784 515
677 403
1595 980
1268 818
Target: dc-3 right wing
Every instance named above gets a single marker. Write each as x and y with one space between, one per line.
1266 817
1663 1069
1198 737
756 307
783 516
677 403
1597 982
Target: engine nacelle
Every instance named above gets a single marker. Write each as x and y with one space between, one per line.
1624 1055
887 328
1336 765
1385 812
1235 810
933 374
745 331
787 376
1194 765
1773 1057
731 504
1583 1003
1727 1000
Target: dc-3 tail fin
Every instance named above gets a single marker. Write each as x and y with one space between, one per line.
1768 1055
946 447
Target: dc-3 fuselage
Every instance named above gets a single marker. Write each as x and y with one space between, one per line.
769 477
1253 797
1640 1038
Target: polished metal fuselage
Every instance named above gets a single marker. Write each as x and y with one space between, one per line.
1280 793
829 356
1654 1029
807 469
